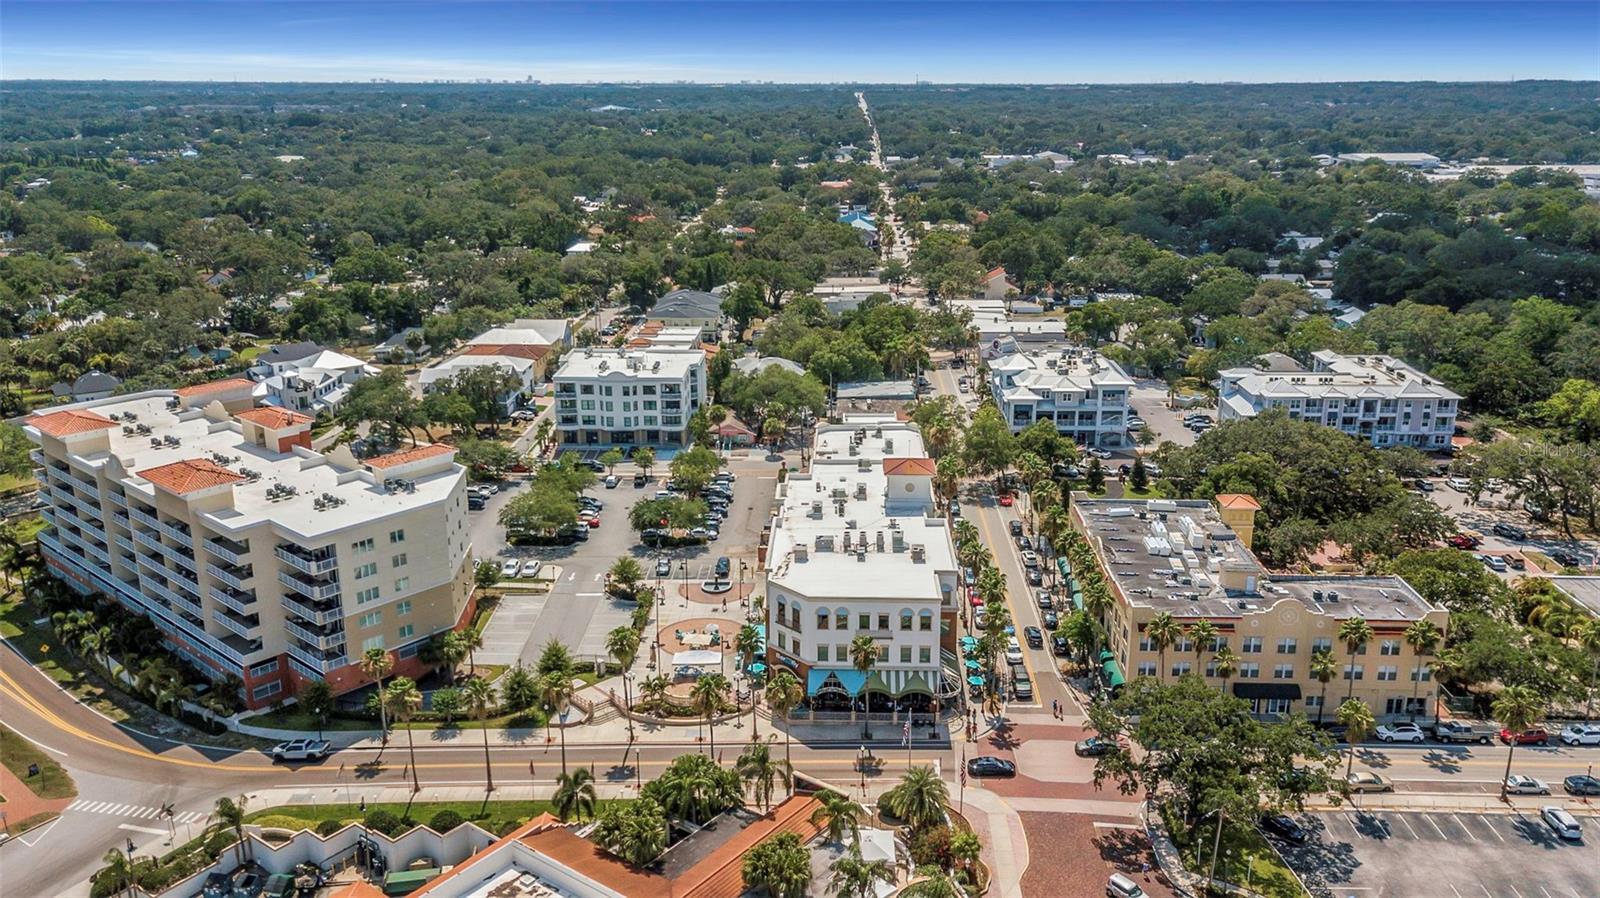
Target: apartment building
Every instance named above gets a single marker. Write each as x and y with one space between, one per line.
629 397
1192 559
857 547
1085 394
1376 398
254 554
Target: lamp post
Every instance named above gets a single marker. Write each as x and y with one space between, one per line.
683 567
1216 845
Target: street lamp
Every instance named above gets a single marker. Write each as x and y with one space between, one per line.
683 566
1211 875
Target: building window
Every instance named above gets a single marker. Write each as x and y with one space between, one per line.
1183 646
1251 645
823 617
1313 701
1321 644
841 619
1394 706
403 607
266 690
406 630
1352 672
372 642
402 584
925 621
399 560
1147 668
841 651
905 654
1146 644
1421 674
1388 673
264 668
1250 671
883 654
905 618
865 620
366 545
410 651
1181 668
396 536
369 594
370 619
883 621
1283 672
924 655
1287 646
367 570
1389 647
822 653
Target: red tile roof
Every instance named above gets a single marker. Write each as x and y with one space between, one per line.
216 386
1238 500
274 418
407 456
923 467
594 863
510 350
721 873
995 272
64 423
189 475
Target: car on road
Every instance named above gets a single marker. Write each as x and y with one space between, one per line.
1136 424
1093 747
530 568
301 750
1029 558
1493 562
1535 736
1059 647
1097 452
1366 781
1517 784
1401 732
989 765
663 566
589 517
509 567
1035 637
1016 528
1049 620
1580 734
1581 784
1007 500
1561 823
1024 544
1459 484
1045 602
611 481
1508 531
1464 541
723 566
1013 651
1423 484
1284 827
1564 558
1034 577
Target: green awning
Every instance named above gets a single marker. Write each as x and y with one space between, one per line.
1063 566
1105 655
1077 598
876 683
916 683
1112 671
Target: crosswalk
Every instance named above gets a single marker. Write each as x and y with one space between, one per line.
133 811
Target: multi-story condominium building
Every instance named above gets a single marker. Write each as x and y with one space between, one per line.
255 555
1192 559
629 397
1083 392
857 548
1376 398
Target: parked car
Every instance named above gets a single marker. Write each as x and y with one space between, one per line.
1493 562
1021 685
1535 736
1561 823
639 479
1517 784
509 567
1401 732
1459 484
989 765
1013 651
476 502
1514 561
1024 544
1580 734
1508 531
530 568
1464 731
723 566
611 481
1366 781
1464 541
1097 452
1564 558
1034 577
1284 827
1029 558
1093 747
1016 529
1059 647
1050 620
1581 784
1120 886
1045 602
663 566
301 750
1007 500
1423 484
1035 637
1136 424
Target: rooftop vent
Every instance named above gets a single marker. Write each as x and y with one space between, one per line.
1333 597
919 553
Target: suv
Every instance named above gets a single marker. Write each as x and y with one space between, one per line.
1401 732
301 750
1462 731
1021 686
1508 531
723 566
1580 734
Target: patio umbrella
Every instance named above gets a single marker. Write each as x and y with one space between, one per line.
758 667
971 664
975 681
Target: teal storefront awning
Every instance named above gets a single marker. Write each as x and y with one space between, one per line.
851 680
1105 655
1063 566
1113 673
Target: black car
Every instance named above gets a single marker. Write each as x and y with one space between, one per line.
1509 531
1024 544
722 566
955 510
988 765
1581 784
1050 620
1034 636
594 466
1564 558
1284 827
1034 577
1016 528
1058 647
1093 747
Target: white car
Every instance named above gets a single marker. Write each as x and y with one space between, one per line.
1097 452
1030 559
530 568
1403 732
611 481
1580 734
1013 651
509 567
1517 784
301 750
1136 424
1564 824
1459 484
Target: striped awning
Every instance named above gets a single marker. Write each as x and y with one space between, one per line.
901 682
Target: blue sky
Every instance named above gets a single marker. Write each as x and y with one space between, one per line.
666 40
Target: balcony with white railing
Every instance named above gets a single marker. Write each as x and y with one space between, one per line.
313 637
231 577
177 599
318 562
143 517
242 603
317 614
234 624
85 487
318 662
117 498
311 589
228 550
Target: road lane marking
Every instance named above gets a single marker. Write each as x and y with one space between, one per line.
142 829
38 834
1464 828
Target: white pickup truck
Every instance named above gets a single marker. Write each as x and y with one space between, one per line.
301 750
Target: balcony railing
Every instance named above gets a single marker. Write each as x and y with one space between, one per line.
234 625
228 577
143 517
315 614
238 602
309 589
319 662
177 599
117 499
227 550
311 564
314 638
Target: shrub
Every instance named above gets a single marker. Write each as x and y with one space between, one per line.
220 841
444 821
386 822
932 846
329 827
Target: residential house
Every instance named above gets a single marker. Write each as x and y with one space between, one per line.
996 285
87 387
316 383
689 308
397 348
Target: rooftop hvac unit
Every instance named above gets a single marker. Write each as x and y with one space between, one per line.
919 552
861 491
861 553
1333 597
847 540
879 540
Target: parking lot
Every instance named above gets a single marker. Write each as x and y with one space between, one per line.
1150 403
1439 854
1494 508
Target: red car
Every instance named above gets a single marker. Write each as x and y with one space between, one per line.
1535 736
1464 541
977 600
591 520
1006 499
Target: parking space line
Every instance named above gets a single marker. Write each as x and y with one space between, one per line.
1486 892
1546 892
1408 826
1489 822
1512 888
1463 827
1354 828
1431 821
1454 889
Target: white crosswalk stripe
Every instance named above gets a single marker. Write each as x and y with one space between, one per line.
136 811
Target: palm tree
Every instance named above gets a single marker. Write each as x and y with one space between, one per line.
780 866
1589 639
919 799
480 696
1323 670
1226 664
1202 635
1423 637
472 640
708 697
1354 632
760 772
653 692
404 699
575 793
838 816
623 645
965 848
635 831
230 814
863 655
555 692
1163 632
121 868
1358 723
376 663
784 693
937 885
1516 707
854 877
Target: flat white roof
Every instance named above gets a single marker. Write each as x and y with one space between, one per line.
647 362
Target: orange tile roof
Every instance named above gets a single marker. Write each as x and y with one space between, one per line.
909 466
65 423
274 418
216 386
594 863
510 350
189 475
993 272
721 875
358 889
1238 500
407 456
538 823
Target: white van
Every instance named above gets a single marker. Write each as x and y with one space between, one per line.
1564 824
1119 886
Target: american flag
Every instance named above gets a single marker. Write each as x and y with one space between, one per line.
905 734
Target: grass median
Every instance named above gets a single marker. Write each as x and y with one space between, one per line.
1245 858
52 780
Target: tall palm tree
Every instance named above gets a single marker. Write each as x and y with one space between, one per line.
1202 635
555 692
1423 636
1163 632
623 645
1355 633
1516 707
1323 669
1589 638
918 799
471 640
863 655
1226 664
784 694
937 885
854 877
376 663
404 700
779 866
760 772
838 816
575 793
230 814
1358 723
653 692
480 697
709 695
634 831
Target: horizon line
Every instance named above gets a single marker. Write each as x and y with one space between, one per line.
486 82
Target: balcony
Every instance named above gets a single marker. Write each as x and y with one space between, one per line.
242 603
315 638
117 499
178 534
314 563
227 549
235 625
143 517
311 589
233 576
316 661
315 614
178 600
123 541
85 487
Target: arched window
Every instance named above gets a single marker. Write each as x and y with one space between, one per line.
925 620
905 618
823 618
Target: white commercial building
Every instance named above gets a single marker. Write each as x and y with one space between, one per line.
255 556
315 383
1410 160
857 548
1376 398
627 397
1084 393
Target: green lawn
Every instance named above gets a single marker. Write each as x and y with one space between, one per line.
494 816
17 753
291 718
17 482
1245 859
